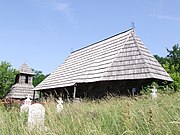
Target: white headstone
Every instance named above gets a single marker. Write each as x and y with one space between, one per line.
154 93
76 100
59 106
27 101
25 106
36 117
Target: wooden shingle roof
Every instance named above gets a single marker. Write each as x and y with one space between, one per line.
25 69
120 57
21 91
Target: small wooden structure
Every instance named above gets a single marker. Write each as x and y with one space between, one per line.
23 84
114 65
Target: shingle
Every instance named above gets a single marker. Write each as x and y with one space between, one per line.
25 69
21 91
119 57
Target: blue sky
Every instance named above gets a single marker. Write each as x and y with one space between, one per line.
43 33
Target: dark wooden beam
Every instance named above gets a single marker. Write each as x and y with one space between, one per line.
34 96
74 93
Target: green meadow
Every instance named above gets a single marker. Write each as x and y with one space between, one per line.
112 116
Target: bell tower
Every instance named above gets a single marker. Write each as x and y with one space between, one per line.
23 84
25 75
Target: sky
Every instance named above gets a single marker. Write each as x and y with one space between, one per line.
43 33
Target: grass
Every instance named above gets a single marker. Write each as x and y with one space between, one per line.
113 116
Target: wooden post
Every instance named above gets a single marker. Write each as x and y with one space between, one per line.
40 94
74 94
34 96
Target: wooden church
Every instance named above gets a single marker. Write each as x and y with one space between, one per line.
114 65
23 84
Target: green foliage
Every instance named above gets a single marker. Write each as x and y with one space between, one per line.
175 75
116 116
161 60
38 78
174 57
174 66
171 64
176 82
7 77
164 88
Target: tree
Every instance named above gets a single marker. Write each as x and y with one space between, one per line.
174 65
161 60
7 77
38 78
171 64
174 57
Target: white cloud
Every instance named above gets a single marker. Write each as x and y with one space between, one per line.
63 8
59 6
166 17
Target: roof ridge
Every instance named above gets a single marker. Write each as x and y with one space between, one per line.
102 40
142 54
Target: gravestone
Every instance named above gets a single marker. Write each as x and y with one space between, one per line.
133 91
154 93
27 101
76 100
59 106
36 117
26 104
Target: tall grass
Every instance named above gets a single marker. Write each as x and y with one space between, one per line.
113 116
